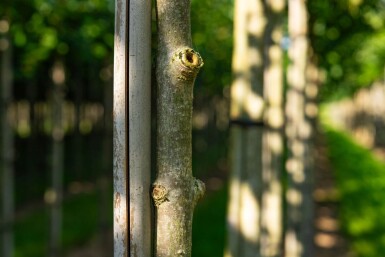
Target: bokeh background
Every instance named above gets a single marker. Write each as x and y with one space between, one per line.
63 51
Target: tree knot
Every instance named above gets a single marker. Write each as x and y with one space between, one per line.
159 194
188 62
181 252
199 189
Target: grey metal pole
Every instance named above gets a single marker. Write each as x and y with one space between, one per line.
139 99
120 134
132 127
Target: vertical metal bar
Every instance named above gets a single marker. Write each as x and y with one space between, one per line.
120 131
139 101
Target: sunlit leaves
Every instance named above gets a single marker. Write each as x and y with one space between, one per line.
44 29
343 35
373 18
49 38
212 30
19 37
373 52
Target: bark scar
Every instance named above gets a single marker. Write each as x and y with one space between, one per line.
199 190
159 194
188 62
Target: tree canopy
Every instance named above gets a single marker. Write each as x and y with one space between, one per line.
347 39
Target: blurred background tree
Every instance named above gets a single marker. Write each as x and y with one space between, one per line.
78 36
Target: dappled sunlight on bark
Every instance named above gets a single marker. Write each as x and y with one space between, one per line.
299 129
249 214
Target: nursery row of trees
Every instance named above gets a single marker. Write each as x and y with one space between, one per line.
271 204
264 125
44 94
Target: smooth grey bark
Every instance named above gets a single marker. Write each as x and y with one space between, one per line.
120 133
139 124
54 195
298 132
244 207
272 213
175 191
7 146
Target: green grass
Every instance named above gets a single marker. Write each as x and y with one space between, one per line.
30 235
361 184
80 223
209 225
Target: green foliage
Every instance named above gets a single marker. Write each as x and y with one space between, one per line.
361 183
347 38
373 52
212 30
80 33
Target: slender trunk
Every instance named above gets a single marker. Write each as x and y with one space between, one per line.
7 146
298 132
78 142
32 142
55 194
311 112
175 191
247 105
271 238
233 212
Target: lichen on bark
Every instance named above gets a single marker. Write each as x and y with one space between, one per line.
175 191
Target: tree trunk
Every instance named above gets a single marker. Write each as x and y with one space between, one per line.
131 139
7 146
78 141
298 132
31 159
311 112
176 191
271 238
55 194
244 209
